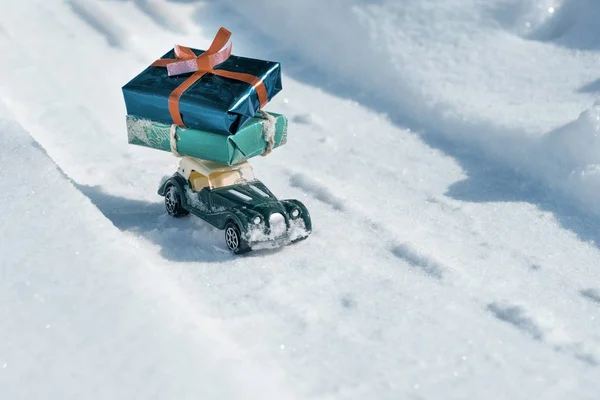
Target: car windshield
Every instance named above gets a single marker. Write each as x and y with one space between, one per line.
235 176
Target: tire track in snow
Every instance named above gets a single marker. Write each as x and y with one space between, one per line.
122 211
148 293
317 190
515 316
519 318
419 260
403 251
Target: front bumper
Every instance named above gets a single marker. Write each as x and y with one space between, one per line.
260 237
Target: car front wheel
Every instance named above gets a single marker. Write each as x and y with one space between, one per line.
234 240
173 203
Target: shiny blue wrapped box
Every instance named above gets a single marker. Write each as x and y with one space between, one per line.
213 103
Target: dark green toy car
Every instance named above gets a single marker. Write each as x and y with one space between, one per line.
232 199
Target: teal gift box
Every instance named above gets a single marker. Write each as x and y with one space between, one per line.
250 141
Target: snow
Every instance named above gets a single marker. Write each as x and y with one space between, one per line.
447 152
83 315
259 240
443 77
268 127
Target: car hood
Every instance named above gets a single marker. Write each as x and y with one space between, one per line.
261 200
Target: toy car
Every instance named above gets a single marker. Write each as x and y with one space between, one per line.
232 199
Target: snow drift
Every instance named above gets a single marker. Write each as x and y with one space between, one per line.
569 158
415 72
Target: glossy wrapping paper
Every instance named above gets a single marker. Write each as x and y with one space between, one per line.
233 149
212 104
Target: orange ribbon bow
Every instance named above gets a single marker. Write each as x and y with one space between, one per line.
187 61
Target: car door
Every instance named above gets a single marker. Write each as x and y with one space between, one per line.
200 201
205 200
220 209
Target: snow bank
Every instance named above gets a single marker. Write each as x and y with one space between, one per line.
457 69
569 158
571 23
529 17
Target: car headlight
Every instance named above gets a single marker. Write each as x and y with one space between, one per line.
257 220
295 213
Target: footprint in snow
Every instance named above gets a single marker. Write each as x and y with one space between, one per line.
306 119
520 319
517 317
348 302
591 294
418 260
317 190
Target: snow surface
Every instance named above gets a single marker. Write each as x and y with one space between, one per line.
461 70
447 152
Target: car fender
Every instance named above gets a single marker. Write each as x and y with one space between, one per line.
290 204
240 219
180 183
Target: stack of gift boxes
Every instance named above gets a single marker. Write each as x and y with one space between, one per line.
206 104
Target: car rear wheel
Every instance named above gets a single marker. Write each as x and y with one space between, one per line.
234 240
173 202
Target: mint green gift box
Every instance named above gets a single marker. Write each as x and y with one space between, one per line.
250 141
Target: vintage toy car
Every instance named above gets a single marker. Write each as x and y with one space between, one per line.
232 199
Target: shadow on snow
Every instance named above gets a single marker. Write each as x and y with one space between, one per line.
186 239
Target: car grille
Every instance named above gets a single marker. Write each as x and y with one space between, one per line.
277 223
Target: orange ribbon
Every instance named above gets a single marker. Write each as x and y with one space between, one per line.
187 61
